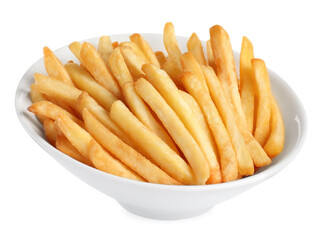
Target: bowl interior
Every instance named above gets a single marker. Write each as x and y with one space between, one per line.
293 112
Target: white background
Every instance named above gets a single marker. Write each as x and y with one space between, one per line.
41 200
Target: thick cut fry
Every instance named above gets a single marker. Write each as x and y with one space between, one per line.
75 48
174 72
194 46
227 156
162 82
84 81
161 153
103 161
37 96
246 82
50 131
56 89
176 129
190 64
61 104
63 144
85 101
171 45
50 110
119 68
96 66
55 68
136 49
134 61
142 112
161 57
275 141
105 48
145 48
245 163
263 108
124 153
210 55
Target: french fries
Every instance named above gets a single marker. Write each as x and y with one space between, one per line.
123 152
210 55
161 57
134 61
135 49
246 82
263 89
194 46
75 48
176 129
105 48
50 131
37 96
84 81
174 72
162 155
162 82
171 45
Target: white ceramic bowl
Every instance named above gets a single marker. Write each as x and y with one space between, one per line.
163 201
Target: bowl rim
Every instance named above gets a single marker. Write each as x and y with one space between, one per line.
256 178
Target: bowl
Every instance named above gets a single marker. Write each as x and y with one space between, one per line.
166 201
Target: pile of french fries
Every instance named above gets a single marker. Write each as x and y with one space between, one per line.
180 119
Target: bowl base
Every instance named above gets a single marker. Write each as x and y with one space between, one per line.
164 215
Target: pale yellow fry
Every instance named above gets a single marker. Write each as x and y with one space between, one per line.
174 72
37 96
125 153
77 136
50 110
98 69
275 141
263 108
84 81
171 44
246 82
105 48
164 85
210 55
176 129
54 67
161 153
196 109
75 48
63 145
136 50
50 131
57 89
85 101
145 48
134 61
194 46
227 156
103 161
161 57
119 68
190 64
142 112
245 163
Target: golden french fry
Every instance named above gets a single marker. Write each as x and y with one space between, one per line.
142 112
115 44
98 69
161 57
54 67
56 89
134 61
119 68
125 153
75 48
50 131
61 104
161 153
37 96
194 46
246 82
245 163
136 49
105 48
84 81
63 144
171 44
174 72
103 161
164 85
210 55
190 64
263 108
176 129
50 110
227 156
145 48
275 141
